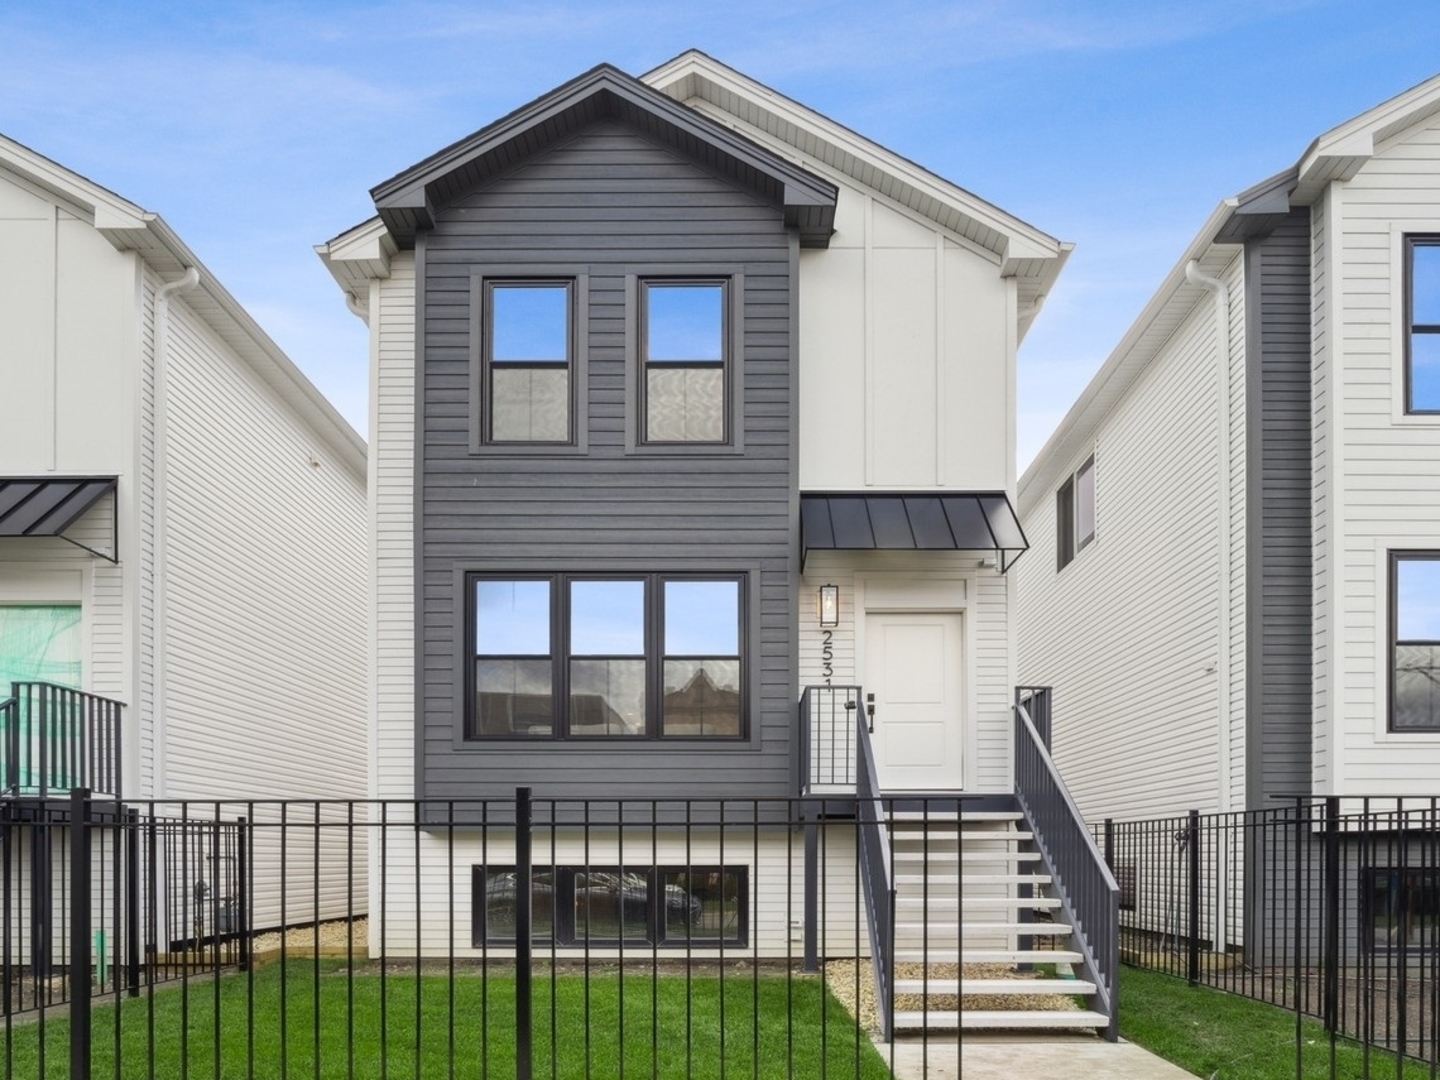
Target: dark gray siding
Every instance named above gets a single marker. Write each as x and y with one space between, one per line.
609 203
1278 640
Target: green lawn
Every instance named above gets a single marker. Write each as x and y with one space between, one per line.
1224 1036
668 1027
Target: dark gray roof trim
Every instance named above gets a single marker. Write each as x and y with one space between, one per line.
407 202
47 506
980 521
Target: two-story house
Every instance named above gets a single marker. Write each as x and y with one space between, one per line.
182 542
685 399
1236 528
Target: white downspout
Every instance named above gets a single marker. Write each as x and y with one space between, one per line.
160 361
1223 493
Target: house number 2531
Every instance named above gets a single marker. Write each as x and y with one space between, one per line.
827 655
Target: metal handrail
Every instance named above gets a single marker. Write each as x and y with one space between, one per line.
876 870
826 738
58 738
1089 894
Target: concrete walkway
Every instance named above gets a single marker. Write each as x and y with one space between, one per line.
1039 1055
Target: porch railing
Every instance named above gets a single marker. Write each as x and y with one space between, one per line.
1090 898
53 739
826 739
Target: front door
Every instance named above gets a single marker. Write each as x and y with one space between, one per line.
912 666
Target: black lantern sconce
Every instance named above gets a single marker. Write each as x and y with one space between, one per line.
828 605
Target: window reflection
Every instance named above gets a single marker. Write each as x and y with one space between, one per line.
701 618
512 618
684 320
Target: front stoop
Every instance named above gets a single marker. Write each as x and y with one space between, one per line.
950 946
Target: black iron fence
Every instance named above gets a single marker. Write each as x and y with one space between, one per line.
53 738
1329 907
516 937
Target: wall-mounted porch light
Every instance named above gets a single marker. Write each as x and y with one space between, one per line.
828 603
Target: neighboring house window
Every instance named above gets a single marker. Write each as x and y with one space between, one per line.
576 656
1402 906
1075 514
666 906
1422 319
1415 641
528 360
684 355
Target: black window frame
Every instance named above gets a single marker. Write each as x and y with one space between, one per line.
1394 641
642 314
1412 241
566 928
1428 892
482 282
560 656
1068 541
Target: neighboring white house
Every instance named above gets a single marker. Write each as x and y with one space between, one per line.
1235 574
182 522
839 412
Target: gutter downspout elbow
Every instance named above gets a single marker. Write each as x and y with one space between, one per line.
160 363
352 302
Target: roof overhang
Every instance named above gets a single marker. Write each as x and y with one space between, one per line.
47 506
408 202
911 521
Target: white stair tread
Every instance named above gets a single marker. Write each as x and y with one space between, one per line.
947 858
994 986
934 835
1003 1018
965 815
975 879
1032 929
1014 956
977 903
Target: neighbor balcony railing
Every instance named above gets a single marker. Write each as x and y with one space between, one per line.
53 739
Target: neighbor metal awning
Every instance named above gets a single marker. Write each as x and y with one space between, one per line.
979 521
47 506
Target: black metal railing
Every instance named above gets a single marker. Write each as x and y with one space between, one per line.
826 739
1088 892
876 868
1036 702
649 937
1325 906
54 739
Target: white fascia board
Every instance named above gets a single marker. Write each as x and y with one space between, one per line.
102 208
358 256
695 74
1339 153
1125 363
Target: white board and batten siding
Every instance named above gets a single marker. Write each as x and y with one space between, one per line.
1379 489
1128 633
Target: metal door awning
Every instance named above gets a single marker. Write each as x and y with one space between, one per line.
47 506
971 521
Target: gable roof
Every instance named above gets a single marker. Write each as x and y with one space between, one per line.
1338 154
129 227
408 201
1033 257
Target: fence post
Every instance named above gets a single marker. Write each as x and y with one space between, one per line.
1332 913
132 902
1193 836
812 887
80 932
241 908
1110 843
523 899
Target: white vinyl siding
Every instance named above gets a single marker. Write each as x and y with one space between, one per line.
1128 635
1386 461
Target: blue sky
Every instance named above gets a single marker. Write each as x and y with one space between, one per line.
257 129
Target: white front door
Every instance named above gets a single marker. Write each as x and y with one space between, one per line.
912 666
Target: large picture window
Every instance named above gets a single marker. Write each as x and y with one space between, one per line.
1415 641
578 656
667 906
1422 324
528 359
684 350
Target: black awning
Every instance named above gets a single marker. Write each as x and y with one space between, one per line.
47 506
979 521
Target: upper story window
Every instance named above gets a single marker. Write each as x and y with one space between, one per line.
1415 641
571 656
1422 318
1075 514
527 361
684 356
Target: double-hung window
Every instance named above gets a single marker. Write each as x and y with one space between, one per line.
1415 641
575 656
684 360
1075 513
1422 324
527 366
